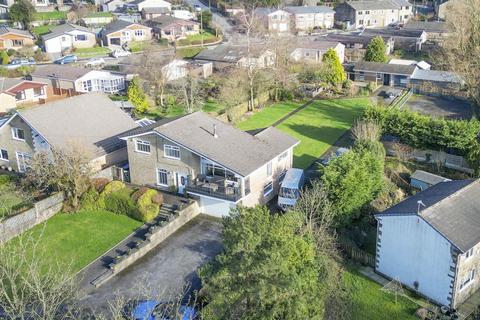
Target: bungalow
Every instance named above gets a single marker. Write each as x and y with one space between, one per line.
356 45
77 120
120 32
382 73
422 180
69 81
307 19
11 38
172 29
152 13
16 91
436 30
66 37
405 39
274 20
139 5
113 6
210 160
430 242
313 51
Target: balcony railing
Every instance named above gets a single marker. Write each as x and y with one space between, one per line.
215 187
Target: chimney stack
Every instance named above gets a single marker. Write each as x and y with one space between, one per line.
215 131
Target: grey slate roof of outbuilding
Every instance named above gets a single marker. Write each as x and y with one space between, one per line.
428 26
62 29
25 33
379 67
93 120
155 10
427 177
452 208
233 148
308 9
317 44
436 76
350 38
401 33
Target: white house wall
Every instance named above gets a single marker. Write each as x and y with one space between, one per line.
215 207
410 249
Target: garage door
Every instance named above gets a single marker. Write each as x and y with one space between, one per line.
214 207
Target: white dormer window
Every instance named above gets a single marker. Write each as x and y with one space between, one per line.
172 152
18 134
142 146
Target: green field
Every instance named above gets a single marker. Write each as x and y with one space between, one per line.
92 52
194 39
76 239
41 30
53 15
268 115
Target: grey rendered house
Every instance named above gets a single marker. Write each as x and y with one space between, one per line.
91 121
431 242
210 160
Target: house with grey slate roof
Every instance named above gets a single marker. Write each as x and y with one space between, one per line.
120 32
66 37
431 242
212 161
309 18
92 121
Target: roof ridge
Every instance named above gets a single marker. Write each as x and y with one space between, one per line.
456 193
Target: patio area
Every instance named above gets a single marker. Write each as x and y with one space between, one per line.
216 186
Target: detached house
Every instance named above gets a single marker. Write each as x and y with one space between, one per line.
139 5
16 91
313 51
92 121
274 20
210 160
11 38
120 32
68 36
172 29
431 242
307 18
356 45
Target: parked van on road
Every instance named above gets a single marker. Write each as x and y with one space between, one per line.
290 188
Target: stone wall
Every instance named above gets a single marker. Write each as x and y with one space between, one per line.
41 211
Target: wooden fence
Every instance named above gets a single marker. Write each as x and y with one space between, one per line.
358 255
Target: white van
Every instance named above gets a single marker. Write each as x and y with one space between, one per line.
290 188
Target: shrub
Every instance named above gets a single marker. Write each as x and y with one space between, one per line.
111 187
158 199
147 210
89 199
4 179
100 183
137 194
119 202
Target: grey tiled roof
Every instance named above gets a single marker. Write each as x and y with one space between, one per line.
350 38
60 71
156 10
427 177
7 83
428 26
92 120
25 33
378 4
452 208
399 69
62 29
116 25
403 33
307 9
318 44
436 76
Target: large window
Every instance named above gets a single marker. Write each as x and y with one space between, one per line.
142 146
20 95
17 43
23 161
139 33
87 85
212 170
80 37
3 154
171 152
267 189
38 92
18 134
162 177
468 279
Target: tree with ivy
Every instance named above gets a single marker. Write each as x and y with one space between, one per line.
137 96
22 11
376 50
333 72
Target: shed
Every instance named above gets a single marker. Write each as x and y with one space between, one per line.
423 180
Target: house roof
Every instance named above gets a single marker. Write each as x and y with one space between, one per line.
64 28
427 177
232 148
378 4
118 25
308 9
436 76
403 33
23 33
60 71
452 208
428 26
166 21
90 119
7 83
263 11
227 53
26 84
318 44
379 67
349 38
156 10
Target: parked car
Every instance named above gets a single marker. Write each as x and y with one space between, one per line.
14 64
156 310
95 62
71 58
121 53
334 155
197 7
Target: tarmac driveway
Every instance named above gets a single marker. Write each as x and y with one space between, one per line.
168 270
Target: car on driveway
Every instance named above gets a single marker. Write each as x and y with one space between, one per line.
120 53
71 58
197 7
156 310
16 63
336 154
95 62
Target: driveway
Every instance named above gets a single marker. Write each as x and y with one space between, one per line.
440 107
168 270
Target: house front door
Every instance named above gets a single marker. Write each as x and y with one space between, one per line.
181 182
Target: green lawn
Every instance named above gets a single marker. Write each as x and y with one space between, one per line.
370 303
189 52
137 46
92 52
212 106
10 199
268 115
208 37
53 15
41 30
76 239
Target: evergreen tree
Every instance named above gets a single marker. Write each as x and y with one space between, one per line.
376 50
334 72
22 11
137 96
4 58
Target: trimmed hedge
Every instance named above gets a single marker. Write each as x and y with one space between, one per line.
89 199
111 187
120 202
147 210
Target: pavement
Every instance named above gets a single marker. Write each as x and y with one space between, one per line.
167 271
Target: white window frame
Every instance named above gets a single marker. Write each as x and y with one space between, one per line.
23 166
171 148
144 143
15 134
1 154
269 169
270 189
468 281
162 171
139 33
281 176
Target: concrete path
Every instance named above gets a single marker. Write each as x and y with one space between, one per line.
370 273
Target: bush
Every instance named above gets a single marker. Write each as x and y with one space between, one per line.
158 199
89 199
137 194
111 187
119 202
100 183
147 210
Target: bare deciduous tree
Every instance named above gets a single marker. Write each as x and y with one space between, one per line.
189 93
402 151
366 130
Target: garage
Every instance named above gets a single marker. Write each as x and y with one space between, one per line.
215 207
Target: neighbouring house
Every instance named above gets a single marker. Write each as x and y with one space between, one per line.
92 121
210 160
307 19
120 32
178 69
139 5
437 83
3 11
172 29
97 19
422 180
313 51
113 6
382 73
405 39
66 37
183 14
226 55
15 92
422 64
444 8
68 81
372 13
274 20
356 45
11 38
430 242
436 30
155 12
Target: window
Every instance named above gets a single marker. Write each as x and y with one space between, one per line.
360 21
469 253
283 156
87 85
367 12
80 37
379 76
139 33
3 154
18 134
267 189
282 175
64 39
23 161
162 177
20 95
360 13
142 146
468 279
407 7
269 169
171 152
361 76
38 92
17 43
